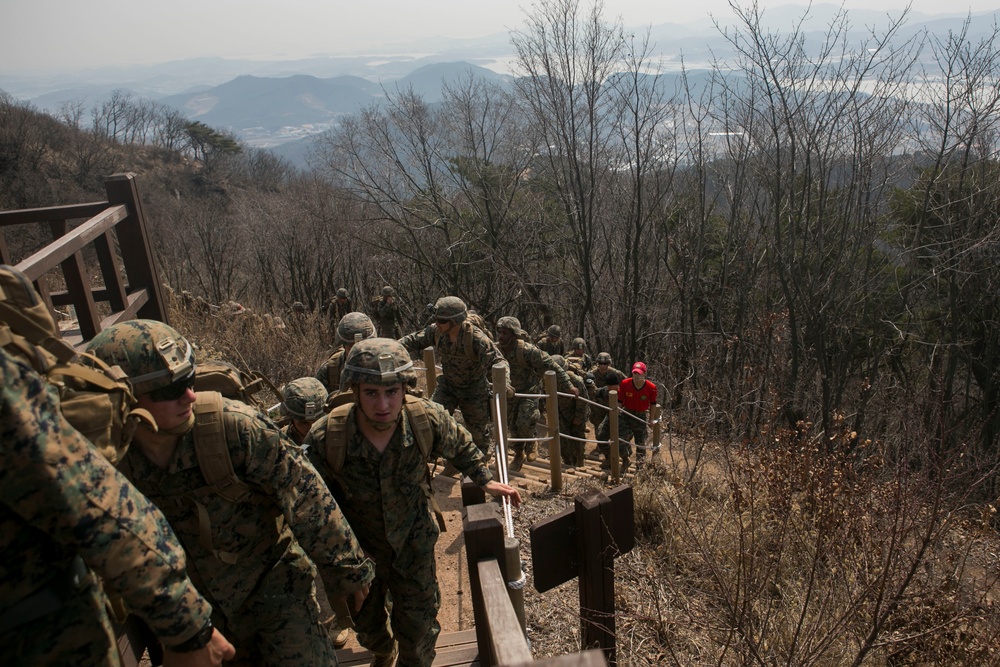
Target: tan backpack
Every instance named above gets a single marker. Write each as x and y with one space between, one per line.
95 398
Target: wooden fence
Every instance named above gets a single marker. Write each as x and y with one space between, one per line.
116 230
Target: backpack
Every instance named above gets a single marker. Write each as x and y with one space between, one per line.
231 382
96 399
423 433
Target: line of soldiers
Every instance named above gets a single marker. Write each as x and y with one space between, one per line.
467 353
233 577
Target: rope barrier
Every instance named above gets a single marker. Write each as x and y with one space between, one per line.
502 464
518 584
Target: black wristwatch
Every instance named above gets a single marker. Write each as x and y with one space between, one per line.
199 641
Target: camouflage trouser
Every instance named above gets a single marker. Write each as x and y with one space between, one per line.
628 428
474 402
572 450
402 604
279 624
522 417
78 633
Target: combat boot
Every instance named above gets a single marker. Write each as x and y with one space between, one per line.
532 456
386 660
340 639
518 461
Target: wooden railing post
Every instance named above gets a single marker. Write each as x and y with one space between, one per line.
136 249
616 468
595 520
483 539
654 416
430 371
552 422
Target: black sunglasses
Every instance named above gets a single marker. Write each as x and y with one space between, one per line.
172 391
443 321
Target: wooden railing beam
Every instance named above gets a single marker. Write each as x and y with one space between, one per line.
52 255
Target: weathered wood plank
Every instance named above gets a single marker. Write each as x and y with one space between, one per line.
49 257
50 213
507 640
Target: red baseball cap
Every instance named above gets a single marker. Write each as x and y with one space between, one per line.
639 367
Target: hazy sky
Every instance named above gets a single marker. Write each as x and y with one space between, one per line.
61 35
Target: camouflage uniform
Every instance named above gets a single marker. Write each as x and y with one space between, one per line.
385 499
551 342
304 399
59 501
243 555
387 314
600 381
527 366
578 357
572 418
329 371
465 379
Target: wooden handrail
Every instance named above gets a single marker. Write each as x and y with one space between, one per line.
507 640
46 259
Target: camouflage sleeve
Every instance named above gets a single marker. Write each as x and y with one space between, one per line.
488 352
418 340
540 361
60 484
284 472
453 442
581 408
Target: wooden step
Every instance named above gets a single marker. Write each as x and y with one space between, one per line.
454 649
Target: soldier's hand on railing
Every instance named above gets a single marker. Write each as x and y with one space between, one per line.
575 392
498 490
510 392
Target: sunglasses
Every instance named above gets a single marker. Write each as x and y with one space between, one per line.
172 391
444 321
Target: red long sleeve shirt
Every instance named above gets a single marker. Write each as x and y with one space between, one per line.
636 400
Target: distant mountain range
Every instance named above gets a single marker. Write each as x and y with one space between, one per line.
279 104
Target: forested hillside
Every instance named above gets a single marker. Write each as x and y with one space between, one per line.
801 242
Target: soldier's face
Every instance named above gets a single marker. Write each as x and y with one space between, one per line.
381 403
168 414
506 336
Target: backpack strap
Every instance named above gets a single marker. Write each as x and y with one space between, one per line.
520 353
336 437
469 349
212 450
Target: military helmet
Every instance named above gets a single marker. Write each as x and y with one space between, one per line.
380 361
511 323
353 324
450 308
152 354
604 358
298 307
388 291
555 331
304 398
561 360
342 293
579 344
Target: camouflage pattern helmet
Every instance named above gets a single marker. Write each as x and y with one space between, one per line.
388 291
579 344
451 308
298 307
353 324
555 331
342 293
379 361
152 354
304 398
511 323
561 360
604 358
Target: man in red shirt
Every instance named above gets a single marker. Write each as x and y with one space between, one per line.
635 395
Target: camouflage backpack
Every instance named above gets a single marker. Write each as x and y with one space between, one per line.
236 384
96 399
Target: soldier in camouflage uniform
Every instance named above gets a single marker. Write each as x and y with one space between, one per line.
242 553
303 402
527 366
572 417
602 371
384 490
551 342
466 355
66 514
339 306
350 327
578 357
387 314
